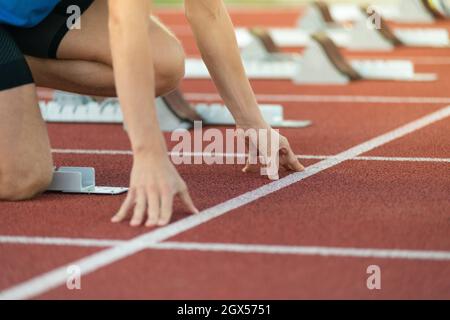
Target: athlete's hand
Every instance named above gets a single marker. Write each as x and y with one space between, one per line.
154 184
273 152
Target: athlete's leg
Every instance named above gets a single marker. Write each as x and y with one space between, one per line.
84 62
25 163
25 157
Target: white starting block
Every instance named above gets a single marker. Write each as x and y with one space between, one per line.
80 180
174 112
361 36
415 11
317 67
317 18
273 114
404 11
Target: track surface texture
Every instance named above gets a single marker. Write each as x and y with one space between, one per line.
376 192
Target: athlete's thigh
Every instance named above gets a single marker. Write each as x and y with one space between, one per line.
91 41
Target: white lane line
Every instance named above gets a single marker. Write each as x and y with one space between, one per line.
58 241
241 248
279 98
94 152
241 155
402 159
57 277
307 250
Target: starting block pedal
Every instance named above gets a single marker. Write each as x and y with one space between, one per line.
260 45
80 180
361 37
174 112
318 17
321 63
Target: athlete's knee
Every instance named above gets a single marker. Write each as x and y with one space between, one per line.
24 183
169 67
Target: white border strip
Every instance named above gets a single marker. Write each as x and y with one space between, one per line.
240 155
270 98
307 250
57 241
242 248
57 277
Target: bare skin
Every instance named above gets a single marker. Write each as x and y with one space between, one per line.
84 62
120 51
25 163
210 22
84 66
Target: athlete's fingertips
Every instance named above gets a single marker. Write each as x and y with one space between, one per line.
124 208
122 213
295 162
187 200
153 210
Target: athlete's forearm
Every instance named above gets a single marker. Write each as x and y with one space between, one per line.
216 39
134 73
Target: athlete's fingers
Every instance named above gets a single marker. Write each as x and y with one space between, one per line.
153 209
187 201
166 209
252 164
125 207
272 169
139 208
294 162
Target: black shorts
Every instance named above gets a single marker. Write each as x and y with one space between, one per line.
41 41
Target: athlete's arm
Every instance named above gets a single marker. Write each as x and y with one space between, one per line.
154 180
217 42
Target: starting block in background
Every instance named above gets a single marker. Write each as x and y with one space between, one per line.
80 180
360 36
321 63
317 17
273 114
417 11
368 37
405 11
174 112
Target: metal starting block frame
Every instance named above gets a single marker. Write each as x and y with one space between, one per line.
314 67
73 108
406 11
273 114
360 36
80 180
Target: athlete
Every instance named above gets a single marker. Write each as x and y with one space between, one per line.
119 50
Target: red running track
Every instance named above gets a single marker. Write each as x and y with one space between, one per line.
376 203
